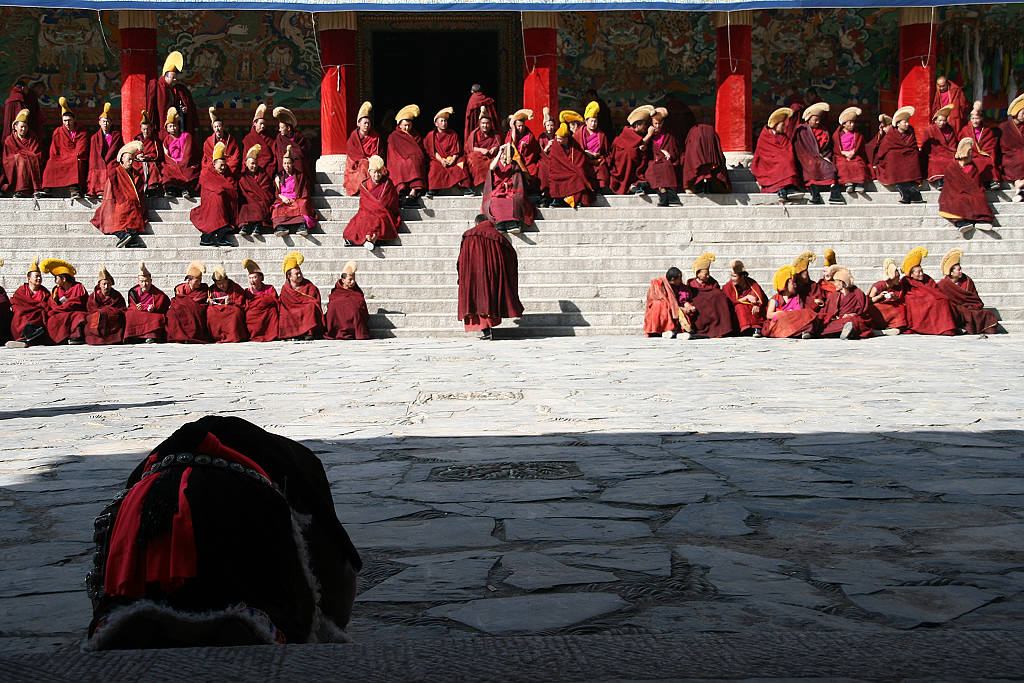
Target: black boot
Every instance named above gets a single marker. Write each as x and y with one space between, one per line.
835 196
662 197
221 237
816 195
783 195
904 193
915 195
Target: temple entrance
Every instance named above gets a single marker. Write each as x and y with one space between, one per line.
433 69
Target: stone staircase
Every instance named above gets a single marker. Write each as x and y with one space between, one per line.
580 272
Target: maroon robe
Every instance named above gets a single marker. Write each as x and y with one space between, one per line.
774 164
358 151
160 97
544 141
300 211
147 314
65 318
477 100
378 213
927 308
101 155
888 312
5 317
963 196
661 313
22 98
186 317
225 314
69 159
954 95
714 311
123 206
104 322
256 192
813 150
445 144
790 323
662 171
969 312
477 163
22 163
853 304
897 157
29 308
266 161
937 150
347 315
232 154
703 159
488 269
302 158
218 206
407 162
261 313
529 149
856 169
567 173
872 152
987 140
182 172
149 170
1011 143
505 195
599 168
299 311
628 160
746 319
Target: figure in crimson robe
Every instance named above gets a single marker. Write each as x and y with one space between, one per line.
789 314
850 152
217 213
260 305
928 310
300 313
103 148
22 160
379 215
846 313
225 309
123 212
898 158
704 168
596 148
362 144
256 195
347 315
938 147
664 159
232 153
68 163
291 142
5 314
181 164
949 94
527 145
65 317
488 270
544 140
482 145
713 316
986 141
811 291
167 92
628 158
505 203
812 146
969 312
29 310
407 162
888 313
479 105
263 135
150 160
293 208
774 163
748 300
443 148
962 199
146 317
1011 142
567 178
23 97
186 317
105 309
668 306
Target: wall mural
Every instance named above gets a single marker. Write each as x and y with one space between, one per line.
983 51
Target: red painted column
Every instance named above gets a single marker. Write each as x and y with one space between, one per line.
339 88
540 86
138 64
918 54
734 109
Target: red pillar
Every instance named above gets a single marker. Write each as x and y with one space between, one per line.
138 64
540 86
734 109
918 54
339 89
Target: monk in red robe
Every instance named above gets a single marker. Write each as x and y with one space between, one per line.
407 162
256 194
180 169
30 305
482 145
664 159
65 318
225 309
962 199
261 134
68 164
669 307
5 314
847 310
347 315
812 145
260 305
748 300
774 164
447 160
887 311
826 284
21 159
505 203
479 105
849 153
628 158
488 270
938 147
526 144
704 168
545 140
103 148
186 317
362 144
949 94
713 317
871 148
969 313
596 148
811 292
167 92
123 212
104 322
987 142
300 311
23 97
1011 142
151 160
217 213
567 172
898 158
293 208
927 308
788 314
232 154
146 317
291 141
379 215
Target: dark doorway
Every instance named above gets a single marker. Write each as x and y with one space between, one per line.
433 69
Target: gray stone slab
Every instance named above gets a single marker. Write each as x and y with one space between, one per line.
491 491
709 519
463 579
667 489
49 613
647 559
424 534
1001 486
566 529
827 490
531 613
999 537
544 510
861 576
910 606
840 538
534 571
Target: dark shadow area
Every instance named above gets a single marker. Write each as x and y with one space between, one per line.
77 409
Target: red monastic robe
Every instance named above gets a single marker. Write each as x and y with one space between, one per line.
813 150
65 318
774 163
872 151
5 317
598 169
69 159
300 311
743 311
160 97
529 150
22 98
628 161
662 311
544 141
969 312
104 322
856 169
714 312
407 162
347 315
102 153
927 308
302 158
1011 143
853 304
266 161
897 157
445 144
477 100
987 140
232 154
963 196
147 313
662 171
792 318
358 151
888 312
186 317
488 269
218 207
567 173
477 163
179 168
505 195
703 159
937 150
261 313
225 314
149 170
256 192
954 95
301 210
22 164
378 213
29 308
123 206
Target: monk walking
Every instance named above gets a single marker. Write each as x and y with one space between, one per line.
488 270
898 160
186 317
962 199
407 162
21 159
103 148
1012 142
65 319
256 194
347 315
225 309
379 216
300 310
363 143
146 317
628 158
123 212
30 306
774 163
105 309
927 308
260 305
68 165
850 154
749 302
969 312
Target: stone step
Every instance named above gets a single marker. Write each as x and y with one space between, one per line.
548 319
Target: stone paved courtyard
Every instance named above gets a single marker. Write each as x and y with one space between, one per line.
563 487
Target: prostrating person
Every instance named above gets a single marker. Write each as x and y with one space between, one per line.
300 313
774 164
969 312
260 305
749 302
928 310
713 317
104 320
65 317
962 199
103 147
68 164
505 202
30 306
123 212
347 315
293 208
488 270
186 317
898 158
379 215
850 153
225 309
180 169
406 159
363 143
256 195
217 213
146 317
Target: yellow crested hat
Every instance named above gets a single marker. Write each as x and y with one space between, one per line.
364 111
254 151
801 262
213 115
22 117
56 266
659 114
144 271
144 118
288 153
172 116
34 268
351 267
219 150
196 268
64 108
849 114
251 266
591 111
830 257
375 163
444 113
562 131
782 276
569 116
951 258
521 115
134 147
407 113
703 262
260 113
104 275
943 111
292 260
105 114
285 115
890 269
174 62
778 116
1015 106
641 113
219 273
816 109
914 258
903 114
